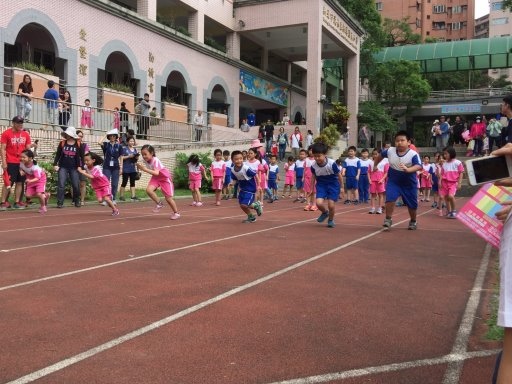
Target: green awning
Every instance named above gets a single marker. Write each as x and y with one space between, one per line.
450 56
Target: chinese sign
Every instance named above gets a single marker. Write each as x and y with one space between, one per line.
263 89
460 108
332 19
82 68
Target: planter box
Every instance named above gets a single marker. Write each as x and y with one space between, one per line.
112 99
218 119
176 112
39 81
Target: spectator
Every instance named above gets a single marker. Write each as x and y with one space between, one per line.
199 124
477 133
245 127
51 96
24 98
493 132
124 117
64 110
144 117
442 134
286 119
282 141
269 136
296 142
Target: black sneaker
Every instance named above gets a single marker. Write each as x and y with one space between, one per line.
135 198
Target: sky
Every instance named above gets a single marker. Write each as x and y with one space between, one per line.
481 8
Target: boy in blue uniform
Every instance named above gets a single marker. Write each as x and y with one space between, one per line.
327 175
273 178
402 180
352 171
248 184
364 182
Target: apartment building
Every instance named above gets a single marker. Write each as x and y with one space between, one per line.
230 57
444 20
500 24
482 27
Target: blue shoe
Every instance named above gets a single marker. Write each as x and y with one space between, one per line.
331 224
323 217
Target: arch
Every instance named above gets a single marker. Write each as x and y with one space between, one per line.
174 66
31 15
217 80
298 113
117 62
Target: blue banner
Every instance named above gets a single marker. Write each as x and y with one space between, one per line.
461 108
263 89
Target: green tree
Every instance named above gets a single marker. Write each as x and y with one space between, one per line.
399 32
376 116
458 80
399 84
507 4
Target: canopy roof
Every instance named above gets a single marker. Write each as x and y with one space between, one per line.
460 55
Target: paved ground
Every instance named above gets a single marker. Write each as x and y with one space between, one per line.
87 298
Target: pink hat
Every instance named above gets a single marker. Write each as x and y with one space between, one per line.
256 143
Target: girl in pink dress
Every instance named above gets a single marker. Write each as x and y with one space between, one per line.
450 181
99 182
309 187
116 124
195 171
377 174
218 172
426 178
160 178
289 176
36 179
253 163
263 174
86 116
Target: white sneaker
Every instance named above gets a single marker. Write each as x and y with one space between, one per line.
158 207
379 211
175 216
104 203
199 204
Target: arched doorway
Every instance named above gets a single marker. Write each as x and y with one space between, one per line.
175 89
118 72
218 107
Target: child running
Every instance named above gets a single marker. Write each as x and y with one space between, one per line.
309 186
402 180
450 181
195 171
289 176
226 190
327 176
377 175
426 178
248 184
160 178
218 172
35 179
99 182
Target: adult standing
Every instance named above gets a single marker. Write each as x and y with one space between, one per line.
269 136
282 142
199 124
51 97
113 164
251 119
442 134
24 98
504 370
493 132
506 109
296 142
477 133
457 129
434 130
286 119
245 127
13 141
69 156
364 136
145 108
124 114
65 110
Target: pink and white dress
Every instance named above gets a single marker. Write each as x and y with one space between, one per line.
163 180
195 175
289 174
86 118
426 176
34 172
100 183
218 170
450 174
309 187
376 174
263 172
117 120
254 165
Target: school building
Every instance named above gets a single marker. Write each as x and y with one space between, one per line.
227 57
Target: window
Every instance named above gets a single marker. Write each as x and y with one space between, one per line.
428 17
499 21
418 23
439 9
378 6
457 9
438 25
496 5
456 26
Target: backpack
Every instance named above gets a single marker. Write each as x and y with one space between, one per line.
138 109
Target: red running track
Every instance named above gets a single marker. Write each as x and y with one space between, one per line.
87 298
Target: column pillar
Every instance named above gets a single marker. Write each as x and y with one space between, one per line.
233 45
264 59
289 72
196 26
313 84
147 8
351 90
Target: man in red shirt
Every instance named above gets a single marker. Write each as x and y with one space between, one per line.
12 142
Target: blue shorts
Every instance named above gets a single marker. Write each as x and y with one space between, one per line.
409 194
272 184
328 191
351 182
299 184
246 198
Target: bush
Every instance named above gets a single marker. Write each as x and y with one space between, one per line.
33 67
180 178
329 136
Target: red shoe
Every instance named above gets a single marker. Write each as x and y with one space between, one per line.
5 206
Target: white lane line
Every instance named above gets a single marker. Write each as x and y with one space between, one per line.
171 250
454 369
367 371
160 323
